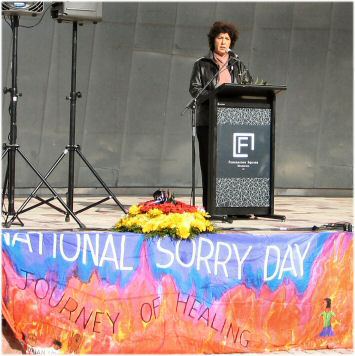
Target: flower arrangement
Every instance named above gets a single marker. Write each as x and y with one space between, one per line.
165 217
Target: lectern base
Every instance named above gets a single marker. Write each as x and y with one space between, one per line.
230 218
242 217
272 216
223 218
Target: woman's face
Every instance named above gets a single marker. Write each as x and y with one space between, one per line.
222 43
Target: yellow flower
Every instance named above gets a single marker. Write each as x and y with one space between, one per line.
156 222
183 232
210 228
173 220
134 210
200 225
147 228
154 212
203 213
128 223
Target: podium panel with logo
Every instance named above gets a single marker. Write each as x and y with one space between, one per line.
241 157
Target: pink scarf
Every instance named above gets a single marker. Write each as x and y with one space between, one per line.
224 76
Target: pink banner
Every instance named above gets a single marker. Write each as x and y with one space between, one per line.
119 293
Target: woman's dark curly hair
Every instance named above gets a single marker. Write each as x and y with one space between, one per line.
222 27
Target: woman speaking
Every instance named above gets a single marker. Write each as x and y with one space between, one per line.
224 65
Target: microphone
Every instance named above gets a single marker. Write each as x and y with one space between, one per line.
233 53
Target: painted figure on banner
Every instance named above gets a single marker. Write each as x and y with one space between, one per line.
225 66
327 315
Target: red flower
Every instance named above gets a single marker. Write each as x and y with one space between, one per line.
168 207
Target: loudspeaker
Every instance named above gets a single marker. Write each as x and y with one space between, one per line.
70 11
28 8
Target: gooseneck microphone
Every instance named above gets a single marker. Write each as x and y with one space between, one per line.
233 54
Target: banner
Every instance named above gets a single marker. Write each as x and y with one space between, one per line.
103 292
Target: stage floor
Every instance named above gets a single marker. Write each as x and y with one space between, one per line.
300 212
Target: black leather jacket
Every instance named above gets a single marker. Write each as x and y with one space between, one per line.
203 70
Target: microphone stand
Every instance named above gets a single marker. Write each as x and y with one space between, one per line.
192 104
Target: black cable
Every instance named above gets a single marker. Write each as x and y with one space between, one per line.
39 19
341 226
7 21
10 113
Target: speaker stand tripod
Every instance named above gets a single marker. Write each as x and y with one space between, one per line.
12 148
72 148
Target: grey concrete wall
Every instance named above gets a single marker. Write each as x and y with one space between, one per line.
134 69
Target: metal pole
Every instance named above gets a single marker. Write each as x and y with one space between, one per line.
13 113
193 158
73 96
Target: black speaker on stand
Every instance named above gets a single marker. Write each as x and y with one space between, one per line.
13 10
75 13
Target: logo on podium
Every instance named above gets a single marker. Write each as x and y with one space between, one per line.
243 143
